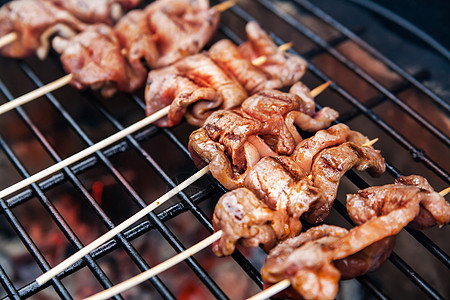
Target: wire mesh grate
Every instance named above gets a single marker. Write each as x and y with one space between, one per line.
198 200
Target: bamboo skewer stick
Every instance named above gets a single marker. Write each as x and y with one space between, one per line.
370 143
315 92
12 36
221 7
156 269
444 192
273 290
50 87
262 59
8 38
119 228
88 151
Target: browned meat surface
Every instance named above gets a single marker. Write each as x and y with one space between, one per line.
136 38
33 22
94 58
275 110
185 97
231 129
286 67
205 151
331 164
306 263
181 28
226 54
313 263
244 218
367 260
281 184
96 11
427 208
306 150
202 72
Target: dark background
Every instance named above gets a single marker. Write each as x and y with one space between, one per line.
432 16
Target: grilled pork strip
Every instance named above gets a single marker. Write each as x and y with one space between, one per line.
243 217
34 22
329 167
315 260
98 11
94 58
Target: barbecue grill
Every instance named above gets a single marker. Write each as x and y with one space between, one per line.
389 81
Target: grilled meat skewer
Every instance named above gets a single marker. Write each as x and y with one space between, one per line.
225 69
314 266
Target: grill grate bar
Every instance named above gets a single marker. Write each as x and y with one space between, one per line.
82 166
353 67
64 227
164 230
322 15
191 203
8 285
413 276
131 251
31 246
377 100
129 235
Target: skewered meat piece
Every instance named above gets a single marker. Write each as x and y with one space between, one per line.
202 72
331 164
233 75
34 22
282 185
307 260
232 130
244 218
205 151
180 93
279 111
136 37
226 54
286 67
302 260
97 11
94 58
181 28
259 123
380 212
166 31
427 208
307 149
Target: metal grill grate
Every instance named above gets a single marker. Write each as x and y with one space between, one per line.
84 117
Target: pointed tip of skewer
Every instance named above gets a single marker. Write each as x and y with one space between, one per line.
285 47
318 90
262 59
8 39
444 192
221 7
370 143
259 61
